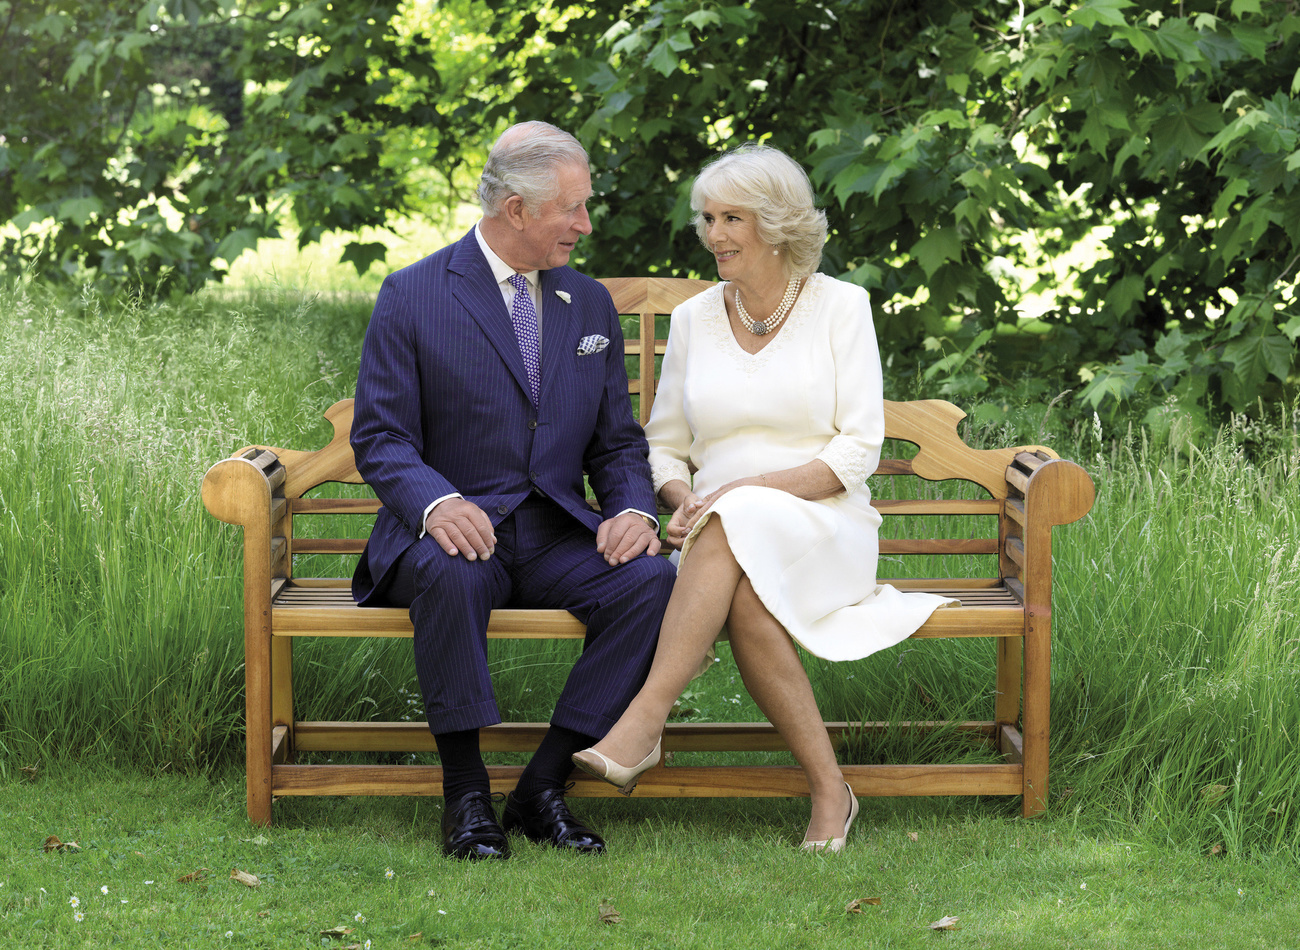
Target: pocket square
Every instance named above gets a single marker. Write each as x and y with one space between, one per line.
592 344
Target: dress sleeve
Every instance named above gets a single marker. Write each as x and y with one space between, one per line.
667 431
854 452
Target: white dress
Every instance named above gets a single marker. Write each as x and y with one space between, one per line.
814 392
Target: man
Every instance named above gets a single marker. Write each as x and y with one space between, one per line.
491 378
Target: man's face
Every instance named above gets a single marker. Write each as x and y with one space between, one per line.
548 237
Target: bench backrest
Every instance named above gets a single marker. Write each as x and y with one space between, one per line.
930 425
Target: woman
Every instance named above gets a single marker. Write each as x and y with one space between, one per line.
771 394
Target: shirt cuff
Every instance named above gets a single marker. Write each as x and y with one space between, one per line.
651 520
425 519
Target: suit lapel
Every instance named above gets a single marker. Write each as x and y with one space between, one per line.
558 322
479 294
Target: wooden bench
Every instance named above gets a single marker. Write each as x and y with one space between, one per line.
1030 490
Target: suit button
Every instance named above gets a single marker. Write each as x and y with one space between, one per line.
502 509
532 476
532 423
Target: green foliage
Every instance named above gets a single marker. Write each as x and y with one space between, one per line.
159 140
1135 167
961 151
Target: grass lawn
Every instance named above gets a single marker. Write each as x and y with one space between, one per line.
1175 704
711 873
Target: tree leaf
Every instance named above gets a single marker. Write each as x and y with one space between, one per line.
1256 356
936 248
945 923
855 906
361 256
79 211
243 877
608 915
236 243
662 60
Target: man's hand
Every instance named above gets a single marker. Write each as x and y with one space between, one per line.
622 538
462 527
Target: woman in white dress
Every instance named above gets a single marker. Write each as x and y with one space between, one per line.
768 419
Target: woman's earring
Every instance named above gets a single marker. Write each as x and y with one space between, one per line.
775 251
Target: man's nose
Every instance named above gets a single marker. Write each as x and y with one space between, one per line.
582 224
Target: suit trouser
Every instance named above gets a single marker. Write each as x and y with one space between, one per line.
544 558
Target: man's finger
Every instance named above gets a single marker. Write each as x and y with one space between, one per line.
439 534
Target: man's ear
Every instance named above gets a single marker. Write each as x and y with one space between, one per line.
513 208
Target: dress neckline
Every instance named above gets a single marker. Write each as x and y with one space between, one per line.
720 324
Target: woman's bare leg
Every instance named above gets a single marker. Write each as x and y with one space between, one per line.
695 613
770 666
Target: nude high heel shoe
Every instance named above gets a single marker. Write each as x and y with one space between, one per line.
594 763
835 844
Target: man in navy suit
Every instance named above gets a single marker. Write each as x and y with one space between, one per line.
491 379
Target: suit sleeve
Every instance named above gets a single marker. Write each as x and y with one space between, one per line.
615 458
387 434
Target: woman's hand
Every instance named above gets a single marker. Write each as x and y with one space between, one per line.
679 525
703 504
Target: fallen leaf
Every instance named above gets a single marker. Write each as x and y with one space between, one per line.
52 843
1063 793
263 913
243 877
1213 793
29 772
945 923
336 932
416 936
259 840
192 876
855 906
1218 850
914 836
608 915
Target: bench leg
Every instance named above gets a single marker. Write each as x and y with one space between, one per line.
1006 705
1037 717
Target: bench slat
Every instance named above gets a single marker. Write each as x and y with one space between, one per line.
336 506
328 546
937 506
685 781
1016 551
526 736
938 546
987 618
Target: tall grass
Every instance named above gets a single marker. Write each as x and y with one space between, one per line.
1176 691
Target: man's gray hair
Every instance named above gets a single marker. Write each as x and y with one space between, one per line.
523 162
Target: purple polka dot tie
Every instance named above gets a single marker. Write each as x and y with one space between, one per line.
524 317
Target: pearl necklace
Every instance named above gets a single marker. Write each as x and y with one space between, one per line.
764 327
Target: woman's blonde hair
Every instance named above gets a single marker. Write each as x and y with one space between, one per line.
773 187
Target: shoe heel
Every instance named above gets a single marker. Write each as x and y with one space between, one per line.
627 789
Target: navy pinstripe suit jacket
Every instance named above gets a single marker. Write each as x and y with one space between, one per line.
443 403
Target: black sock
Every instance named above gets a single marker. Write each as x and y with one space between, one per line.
552 762
463 770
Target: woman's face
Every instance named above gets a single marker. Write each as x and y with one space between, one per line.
732 236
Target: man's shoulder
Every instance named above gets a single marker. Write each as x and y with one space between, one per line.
429 267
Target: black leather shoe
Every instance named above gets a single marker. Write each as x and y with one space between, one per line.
546 819
470 829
